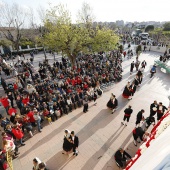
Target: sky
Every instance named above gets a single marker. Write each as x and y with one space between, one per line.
110 10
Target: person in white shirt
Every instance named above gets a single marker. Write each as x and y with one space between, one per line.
69 102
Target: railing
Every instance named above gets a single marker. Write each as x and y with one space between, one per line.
162 65
107 86
9 160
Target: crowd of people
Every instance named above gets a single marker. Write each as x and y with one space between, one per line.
52 91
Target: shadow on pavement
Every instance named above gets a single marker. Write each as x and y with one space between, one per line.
52 134
95 158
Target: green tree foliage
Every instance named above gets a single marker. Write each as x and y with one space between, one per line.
5 43
62 35
24 42
149 28
166 26
104 40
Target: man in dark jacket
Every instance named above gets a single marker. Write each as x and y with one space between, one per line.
24 110
143 64
153 108
121 157
139 117
139 133
75 143
132 67
128 111
160 110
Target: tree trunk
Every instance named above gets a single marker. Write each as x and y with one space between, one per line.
17 46
72 59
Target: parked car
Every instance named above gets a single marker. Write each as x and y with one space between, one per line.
144 36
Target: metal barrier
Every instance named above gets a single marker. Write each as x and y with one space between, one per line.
107 86
162 65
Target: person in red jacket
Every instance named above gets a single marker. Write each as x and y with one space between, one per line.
30 114
69 90
85 86
25 100
15 86
68 80
12 111
79 81
27 125
18 134
5 103
73 82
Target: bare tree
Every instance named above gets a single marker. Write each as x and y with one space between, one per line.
85 15
42 13
12 17
32 19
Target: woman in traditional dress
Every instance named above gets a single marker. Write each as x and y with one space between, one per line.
67 146
127 92
112 103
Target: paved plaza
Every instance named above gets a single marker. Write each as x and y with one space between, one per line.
100 132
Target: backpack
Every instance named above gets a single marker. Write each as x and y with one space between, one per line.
153 69
10 86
